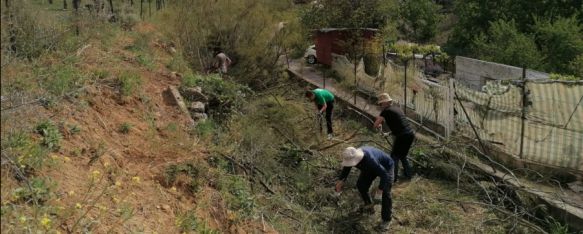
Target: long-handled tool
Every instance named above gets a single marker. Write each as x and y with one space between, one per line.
319 118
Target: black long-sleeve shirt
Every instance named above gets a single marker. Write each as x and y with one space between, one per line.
375 162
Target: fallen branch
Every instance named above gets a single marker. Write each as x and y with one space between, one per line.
520 219
253 169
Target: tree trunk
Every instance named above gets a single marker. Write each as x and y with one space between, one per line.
76 4
150 8
50 1
142 9
65 4
111 6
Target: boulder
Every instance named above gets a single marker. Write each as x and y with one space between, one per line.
194 94
199 116
196 107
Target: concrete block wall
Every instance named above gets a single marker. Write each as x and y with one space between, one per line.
474 73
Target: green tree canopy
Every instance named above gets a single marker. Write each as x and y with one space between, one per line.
503 43
420 19
561 41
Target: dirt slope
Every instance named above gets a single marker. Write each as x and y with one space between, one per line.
109 181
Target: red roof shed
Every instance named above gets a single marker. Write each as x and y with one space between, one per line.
333 40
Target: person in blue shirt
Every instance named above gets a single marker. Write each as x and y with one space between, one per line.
372 163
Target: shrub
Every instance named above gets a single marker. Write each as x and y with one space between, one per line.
206 128
225 97
187 221
129 83
145 61
33 34
38 192
555 76
63 80
125 128
187 169
128 21
51 135
27 154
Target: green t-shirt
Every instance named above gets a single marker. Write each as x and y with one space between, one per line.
323 96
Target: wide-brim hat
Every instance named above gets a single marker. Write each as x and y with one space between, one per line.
352 156
384 97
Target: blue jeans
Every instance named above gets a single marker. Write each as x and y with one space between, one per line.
363 184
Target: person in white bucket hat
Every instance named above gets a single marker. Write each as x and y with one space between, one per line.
372 163
400 129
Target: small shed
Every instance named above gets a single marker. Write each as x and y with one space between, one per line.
333 40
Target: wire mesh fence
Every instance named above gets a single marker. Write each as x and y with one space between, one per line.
550 132
533 121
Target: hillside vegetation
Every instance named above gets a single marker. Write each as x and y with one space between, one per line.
92 143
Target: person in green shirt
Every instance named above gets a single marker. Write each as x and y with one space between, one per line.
324 101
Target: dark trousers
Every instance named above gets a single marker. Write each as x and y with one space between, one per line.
329 108
400 150
363 184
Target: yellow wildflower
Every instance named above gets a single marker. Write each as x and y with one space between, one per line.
173 189
136 179
66 159
45 222
22 219
95 174
71 193
118 183
78 206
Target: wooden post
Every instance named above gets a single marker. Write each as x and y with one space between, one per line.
405 90
523 117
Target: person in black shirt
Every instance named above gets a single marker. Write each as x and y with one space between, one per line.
372 163
403 133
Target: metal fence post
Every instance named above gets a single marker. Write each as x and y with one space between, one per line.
523 116
323 79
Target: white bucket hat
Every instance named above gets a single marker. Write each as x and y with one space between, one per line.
352 156
384 97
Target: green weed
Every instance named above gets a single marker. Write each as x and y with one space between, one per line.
557 228
187 221
101 74
177 63
145 61
206 128
239 196
74 129
27 154
125 128
38 192
64 80
129 83
51 135
172 127
187 169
